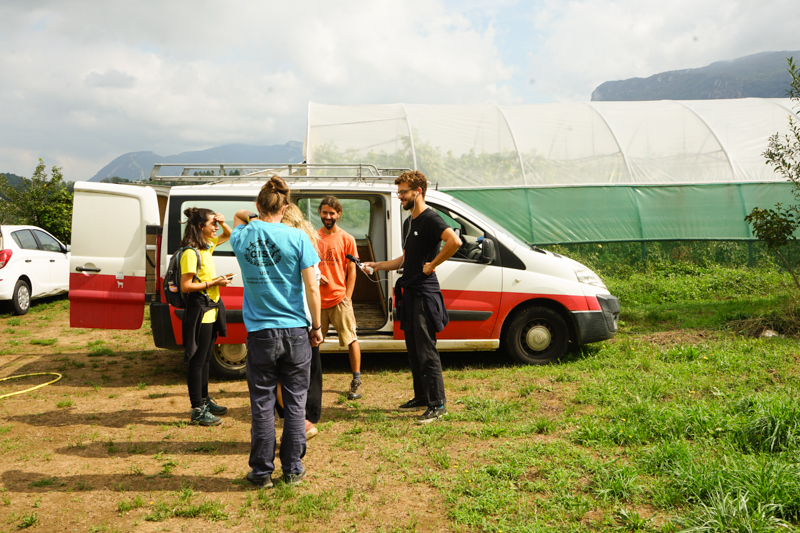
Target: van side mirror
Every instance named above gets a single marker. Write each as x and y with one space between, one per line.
488 252
67 248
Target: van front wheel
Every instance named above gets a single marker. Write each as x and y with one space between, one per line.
536 336
228 361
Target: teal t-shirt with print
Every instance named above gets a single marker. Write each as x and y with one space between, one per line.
271 257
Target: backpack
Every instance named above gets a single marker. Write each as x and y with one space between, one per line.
172 280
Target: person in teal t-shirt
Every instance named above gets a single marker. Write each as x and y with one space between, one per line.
277 262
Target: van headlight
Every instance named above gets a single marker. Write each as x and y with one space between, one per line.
585 275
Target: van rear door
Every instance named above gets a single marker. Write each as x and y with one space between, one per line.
107 270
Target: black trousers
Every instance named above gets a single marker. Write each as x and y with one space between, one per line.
198 366
314 398
426 365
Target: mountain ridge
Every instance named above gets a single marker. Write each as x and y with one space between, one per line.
762 75
136 166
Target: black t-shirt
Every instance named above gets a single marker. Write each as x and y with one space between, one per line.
421 240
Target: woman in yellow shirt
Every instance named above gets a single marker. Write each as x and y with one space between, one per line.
201 285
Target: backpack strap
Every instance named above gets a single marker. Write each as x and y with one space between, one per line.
199 265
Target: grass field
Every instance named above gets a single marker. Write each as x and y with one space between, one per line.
682 422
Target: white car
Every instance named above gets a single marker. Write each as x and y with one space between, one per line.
33 264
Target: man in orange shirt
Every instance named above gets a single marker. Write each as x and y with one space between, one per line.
336 286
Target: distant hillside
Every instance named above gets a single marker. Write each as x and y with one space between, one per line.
137 165
761 75
13 179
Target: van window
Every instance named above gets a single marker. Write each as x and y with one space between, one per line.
471 235
355 219
227 207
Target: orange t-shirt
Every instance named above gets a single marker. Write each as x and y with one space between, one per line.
332 250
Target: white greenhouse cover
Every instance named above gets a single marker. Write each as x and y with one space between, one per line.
586 143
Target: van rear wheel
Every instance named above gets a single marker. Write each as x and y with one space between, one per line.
228 361
536 336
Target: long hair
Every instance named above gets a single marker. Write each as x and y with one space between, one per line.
196 218
294 217
273 196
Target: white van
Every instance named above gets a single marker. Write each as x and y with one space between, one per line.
499 291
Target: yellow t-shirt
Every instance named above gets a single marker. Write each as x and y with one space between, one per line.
207 273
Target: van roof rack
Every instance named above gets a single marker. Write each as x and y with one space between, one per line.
190 173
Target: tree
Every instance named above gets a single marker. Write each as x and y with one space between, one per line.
777 226
43 201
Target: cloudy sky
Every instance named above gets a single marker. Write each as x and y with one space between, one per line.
84 81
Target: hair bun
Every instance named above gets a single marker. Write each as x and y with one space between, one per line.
276 184
188 212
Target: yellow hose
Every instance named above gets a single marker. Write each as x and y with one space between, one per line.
32 388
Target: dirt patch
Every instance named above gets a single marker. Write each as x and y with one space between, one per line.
107 448
680 337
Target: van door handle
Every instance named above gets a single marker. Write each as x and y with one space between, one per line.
52 260
27 260
86 269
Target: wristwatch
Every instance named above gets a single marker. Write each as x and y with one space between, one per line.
251 216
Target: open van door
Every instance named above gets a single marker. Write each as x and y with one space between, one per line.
110 253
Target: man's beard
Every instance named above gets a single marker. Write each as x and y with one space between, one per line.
329 224
408 206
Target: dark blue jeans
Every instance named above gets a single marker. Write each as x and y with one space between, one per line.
278 355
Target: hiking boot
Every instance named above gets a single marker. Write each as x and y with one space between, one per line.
214 408
294 479
414 404
201 416
356 390
259 481
433 413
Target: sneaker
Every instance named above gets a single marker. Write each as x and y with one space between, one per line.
201 416
311 431
214 408
294 479
414 404
259 481
433 413
356 390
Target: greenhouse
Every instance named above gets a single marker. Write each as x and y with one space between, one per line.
577 172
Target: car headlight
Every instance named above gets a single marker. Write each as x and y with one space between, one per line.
585 275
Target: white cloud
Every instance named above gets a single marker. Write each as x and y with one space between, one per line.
111 78
592 41
90 81
82 82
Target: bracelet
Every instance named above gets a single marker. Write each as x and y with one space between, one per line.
316 328
206 285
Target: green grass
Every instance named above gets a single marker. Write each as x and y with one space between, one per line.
44 342
680 422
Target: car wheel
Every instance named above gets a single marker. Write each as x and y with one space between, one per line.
536 336
228 361
21 298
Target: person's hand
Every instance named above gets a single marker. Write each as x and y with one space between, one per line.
315 336
323 280
365 264
428 269
222 281
219 217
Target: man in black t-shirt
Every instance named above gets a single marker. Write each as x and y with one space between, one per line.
418 297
